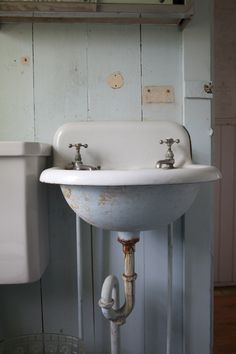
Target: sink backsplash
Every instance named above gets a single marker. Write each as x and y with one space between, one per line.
121 145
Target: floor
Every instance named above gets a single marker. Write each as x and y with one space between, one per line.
225 320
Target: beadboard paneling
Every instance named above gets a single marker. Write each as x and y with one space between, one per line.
227 203
224 63
225 140
199 219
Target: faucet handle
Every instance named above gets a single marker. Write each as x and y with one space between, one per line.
169 156
169 142
78 146
78 163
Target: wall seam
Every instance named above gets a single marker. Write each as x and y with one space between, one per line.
87 72
144 295
184 296
93 285
33 83
41 304
219 209
141 69
234 189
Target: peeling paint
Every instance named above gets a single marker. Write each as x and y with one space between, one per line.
66 192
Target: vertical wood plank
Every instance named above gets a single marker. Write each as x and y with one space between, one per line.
198 123
114 49
198 279
227 205
196 44
60 76
224 59
217 238
224 105
177 340
161 65
234 206
87 287
59 283
156 258
16 84
20 309
198 237
199 219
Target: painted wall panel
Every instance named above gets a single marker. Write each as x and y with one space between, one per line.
161 65
198 276
198 124
16 87
196 43
113 49
217 239
86 316
224 63
227 204
20 309
225 114
59 283
156 277
198 220
60 76
225 142
177 328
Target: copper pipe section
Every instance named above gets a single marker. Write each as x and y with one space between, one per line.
128 244
106 302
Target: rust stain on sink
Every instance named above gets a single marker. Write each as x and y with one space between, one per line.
105 197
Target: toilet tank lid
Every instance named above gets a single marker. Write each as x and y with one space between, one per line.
23 148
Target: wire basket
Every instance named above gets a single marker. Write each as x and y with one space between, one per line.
42 344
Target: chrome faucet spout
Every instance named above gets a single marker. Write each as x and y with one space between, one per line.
169 156
168 162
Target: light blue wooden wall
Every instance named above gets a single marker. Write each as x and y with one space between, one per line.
65 79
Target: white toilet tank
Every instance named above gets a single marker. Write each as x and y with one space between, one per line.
23 212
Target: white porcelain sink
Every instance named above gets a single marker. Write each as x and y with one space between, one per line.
128 193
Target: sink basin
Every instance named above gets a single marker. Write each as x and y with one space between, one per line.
128 193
